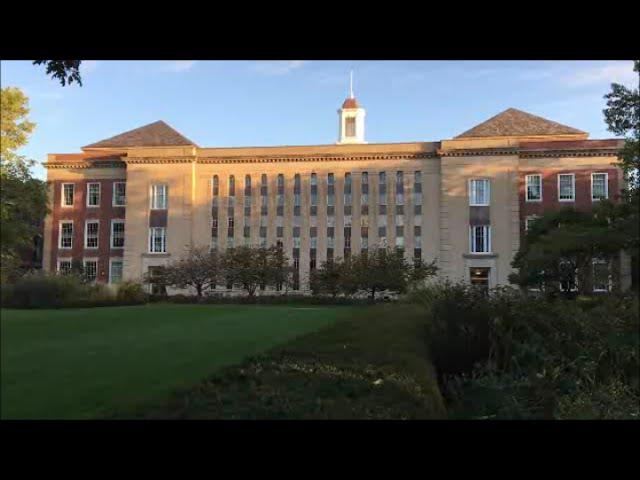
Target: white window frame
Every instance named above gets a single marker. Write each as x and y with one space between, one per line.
115 259
472 237
152 197
526 187
73 232
86 230
62 199
472 191
164 238
600 261
63 259
528 219
113 200
84 266
606 185
573 187
89 196
114 221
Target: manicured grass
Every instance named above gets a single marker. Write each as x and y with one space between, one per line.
372 365
90 363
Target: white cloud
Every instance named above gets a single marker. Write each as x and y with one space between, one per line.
278 67
88 66
621 72
177 66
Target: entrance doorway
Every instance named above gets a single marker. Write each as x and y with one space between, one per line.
479 276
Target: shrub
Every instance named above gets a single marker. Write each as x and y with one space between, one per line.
131 293
506 355
457 328
67 291
44 291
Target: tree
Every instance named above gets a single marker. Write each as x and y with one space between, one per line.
622 116
251 267
559 249
23 199
198 268
385 269
66 71
329 278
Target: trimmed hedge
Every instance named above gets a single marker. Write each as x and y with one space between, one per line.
66 291
266 300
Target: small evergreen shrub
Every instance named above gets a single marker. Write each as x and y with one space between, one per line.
131 293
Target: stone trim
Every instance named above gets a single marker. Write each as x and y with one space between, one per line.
78 165
479 256
569 153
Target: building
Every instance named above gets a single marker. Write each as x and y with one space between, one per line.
133 202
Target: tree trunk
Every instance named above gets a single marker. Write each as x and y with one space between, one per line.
199 290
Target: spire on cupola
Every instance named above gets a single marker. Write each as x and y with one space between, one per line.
351 115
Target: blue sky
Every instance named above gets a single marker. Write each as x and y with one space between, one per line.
250 103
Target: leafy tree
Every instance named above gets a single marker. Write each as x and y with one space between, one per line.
251 267
622 116
329 278
198 268
385 269
23 199
66 71
558 251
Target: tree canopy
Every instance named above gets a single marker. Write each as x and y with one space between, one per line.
23 199
65 71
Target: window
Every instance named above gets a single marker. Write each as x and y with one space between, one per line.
119 194
534 188
601 278
91 270
64 266
215 184
93 194
566 187
66 234
247 185
159 197
599 186
117 233
67 194
529 221
157 240
115 270
230 226
91 234
232 186
350 126
480 239
479 194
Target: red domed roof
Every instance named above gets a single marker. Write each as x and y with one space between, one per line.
350 103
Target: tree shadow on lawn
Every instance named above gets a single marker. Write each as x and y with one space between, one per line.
372 366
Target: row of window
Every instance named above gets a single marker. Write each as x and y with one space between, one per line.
91 234
330 197
94 194
567 187
90 268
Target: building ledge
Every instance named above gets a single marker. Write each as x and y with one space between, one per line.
479 255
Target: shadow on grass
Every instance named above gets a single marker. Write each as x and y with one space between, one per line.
374 365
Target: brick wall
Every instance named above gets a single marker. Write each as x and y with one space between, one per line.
550 200
79 213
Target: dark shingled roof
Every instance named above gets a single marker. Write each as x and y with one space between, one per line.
513 122
156 134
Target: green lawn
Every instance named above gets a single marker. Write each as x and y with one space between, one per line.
91 363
